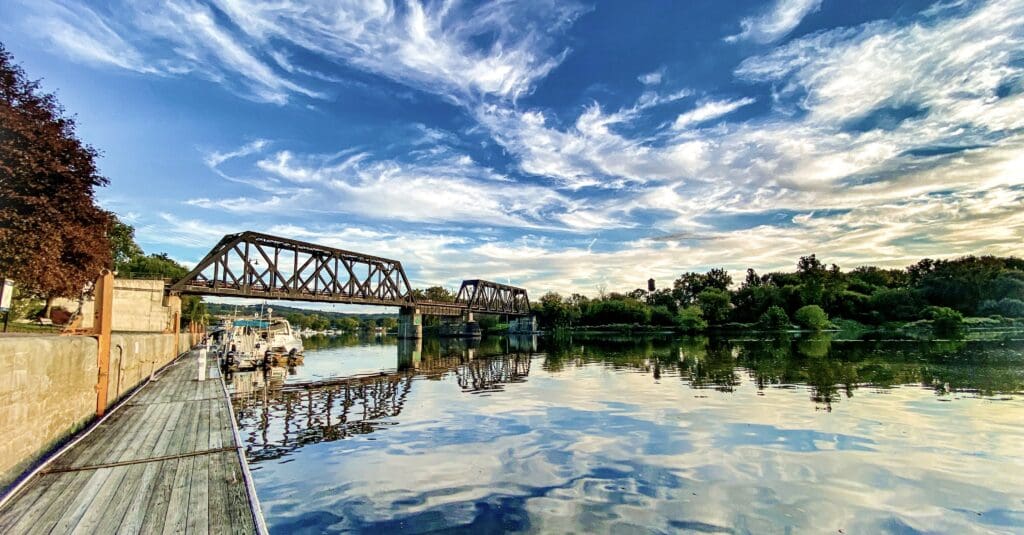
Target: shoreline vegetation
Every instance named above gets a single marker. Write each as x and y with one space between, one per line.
932 298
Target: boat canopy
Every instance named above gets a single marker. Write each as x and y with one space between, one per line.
260 324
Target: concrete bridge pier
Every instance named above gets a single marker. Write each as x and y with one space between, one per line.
410 353
471 328
410 323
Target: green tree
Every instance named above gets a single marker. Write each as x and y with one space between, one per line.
714 304
122 243
350 324
945 320
193 309
155 265
691 319
812 317
774 319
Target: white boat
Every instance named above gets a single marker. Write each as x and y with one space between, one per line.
280 338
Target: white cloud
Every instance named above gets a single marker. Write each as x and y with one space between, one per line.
431 46
216 158
776 22
435 187
708 110
428 46
84 35
651 78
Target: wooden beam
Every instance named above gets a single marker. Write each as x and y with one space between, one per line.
102 322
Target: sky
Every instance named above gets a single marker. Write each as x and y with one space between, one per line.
552 144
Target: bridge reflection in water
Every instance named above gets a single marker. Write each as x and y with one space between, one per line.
277 417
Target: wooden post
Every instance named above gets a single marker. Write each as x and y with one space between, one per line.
176 329
101 324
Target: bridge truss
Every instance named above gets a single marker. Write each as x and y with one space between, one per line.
251 264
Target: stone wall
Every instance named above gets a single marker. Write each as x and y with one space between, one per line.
48 388
139 306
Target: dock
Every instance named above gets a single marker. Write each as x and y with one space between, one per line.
167 460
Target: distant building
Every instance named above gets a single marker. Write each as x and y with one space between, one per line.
650 285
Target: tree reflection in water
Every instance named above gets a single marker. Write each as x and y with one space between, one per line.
277 417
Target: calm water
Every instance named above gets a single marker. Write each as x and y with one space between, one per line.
621 435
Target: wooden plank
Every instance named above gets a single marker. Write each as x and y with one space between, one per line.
219 519
68 515
177 504
155 511
131 522
199 496
238 507
25 500
65 488
132 484
101 504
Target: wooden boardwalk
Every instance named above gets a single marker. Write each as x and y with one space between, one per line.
166 461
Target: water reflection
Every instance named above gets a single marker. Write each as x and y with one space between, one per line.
278 417
627 434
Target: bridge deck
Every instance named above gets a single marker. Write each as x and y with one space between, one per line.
165 461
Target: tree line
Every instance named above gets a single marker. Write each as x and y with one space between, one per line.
814 296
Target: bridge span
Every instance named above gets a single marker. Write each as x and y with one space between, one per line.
255 265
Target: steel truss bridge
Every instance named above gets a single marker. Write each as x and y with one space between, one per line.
250 264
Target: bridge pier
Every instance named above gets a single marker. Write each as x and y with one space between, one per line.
410 323
410 352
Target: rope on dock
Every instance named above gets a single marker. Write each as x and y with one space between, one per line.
137 461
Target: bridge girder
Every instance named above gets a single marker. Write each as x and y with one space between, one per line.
255 265
297 271
493 298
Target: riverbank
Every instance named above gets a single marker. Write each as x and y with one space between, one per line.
921 329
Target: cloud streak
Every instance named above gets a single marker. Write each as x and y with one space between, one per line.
775 23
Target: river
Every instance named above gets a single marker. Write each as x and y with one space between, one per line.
618 434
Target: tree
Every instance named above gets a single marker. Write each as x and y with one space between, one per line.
811 317
714 304
945 320
155 265
53 237
691 319
349 324
1007 307
439 293
688 286
193 309
122 243
774 319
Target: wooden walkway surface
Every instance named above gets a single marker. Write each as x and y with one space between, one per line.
164 462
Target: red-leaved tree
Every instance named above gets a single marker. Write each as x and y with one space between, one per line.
53 237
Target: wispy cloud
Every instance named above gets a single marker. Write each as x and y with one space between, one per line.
776 22
651 78
439 187
432 46
84 35
708 110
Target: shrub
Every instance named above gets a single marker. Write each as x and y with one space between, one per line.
1006 307
811 317
691 319
945 320
775 319
661 316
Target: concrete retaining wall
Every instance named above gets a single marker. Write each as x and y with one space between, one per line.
48 388
139 306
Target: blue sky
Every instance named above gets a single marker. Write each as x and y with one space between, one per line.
557 145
